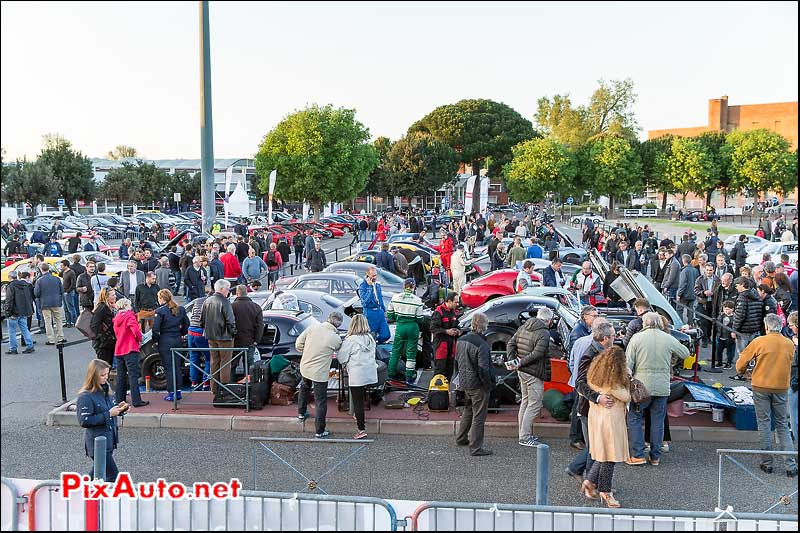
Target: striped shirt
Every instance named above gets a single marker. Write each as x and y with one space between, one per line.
405 308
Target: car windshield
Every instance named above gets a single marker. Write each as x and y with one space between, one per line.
389 278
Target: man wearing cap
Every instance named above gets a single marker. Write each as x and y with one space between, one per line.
406 310
371 296
384 259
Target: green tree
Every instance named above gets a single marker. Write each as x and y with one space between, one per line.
688 167
650 151
539 167
609 111
187 184
378 180
418 164
121 152
156 182
712 143
611 166
477 130
123 184
74 173
760 161
322 154
29 181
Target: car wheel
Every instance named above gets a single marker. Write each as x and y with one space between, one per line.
153 367
794 211
498 342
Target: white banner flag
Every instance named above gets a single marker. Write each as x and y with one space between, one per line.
272 177
484 194
468 195
228 178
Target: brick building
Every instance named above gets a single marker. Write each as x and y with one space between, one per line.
780 117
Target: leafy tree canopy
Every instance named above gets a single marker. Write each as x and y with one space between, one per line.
689 167
539 167
73 172
121 152
611 166
760 160
377 182
322 154
418 164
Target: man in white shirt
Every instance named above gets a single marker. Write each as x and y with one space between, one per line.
524 276
131 279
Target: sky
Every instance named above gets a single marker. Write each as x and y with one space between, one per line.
108 73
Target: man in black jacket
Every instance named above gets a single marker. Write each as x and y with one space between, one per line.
748 313
316 261
249 325
444 327
705 288
219 327
196 278
476 379
739 254
529 355
149 263
18 307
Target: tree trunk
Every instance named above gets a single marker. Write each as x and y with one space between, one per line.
611 206
476 187
69 207
725 198
664 202
708 198
317 206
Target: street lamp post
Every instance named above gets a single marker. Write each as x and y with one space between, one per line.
206 125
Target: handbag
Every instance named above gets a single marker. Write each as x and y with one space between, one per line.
639 393
84 324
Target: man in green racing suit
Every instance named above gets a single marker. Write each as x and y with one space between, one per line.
406 310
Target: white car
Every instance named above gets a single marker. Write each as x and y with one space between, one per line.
775 249
752 244
785 208
594 217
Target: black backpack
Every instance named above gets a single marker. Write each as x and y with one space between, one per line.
271 261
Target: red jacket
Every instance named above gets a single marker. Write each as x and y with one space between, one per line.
446 251
231 265
278 259
126 329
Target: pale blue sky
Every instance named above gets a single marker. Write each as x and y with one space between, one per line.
104 74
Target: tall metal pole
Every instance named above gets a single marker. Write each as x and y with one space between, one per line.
206 125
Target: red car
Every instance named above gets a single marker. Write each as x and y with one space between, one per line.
492 285
281 231
329 223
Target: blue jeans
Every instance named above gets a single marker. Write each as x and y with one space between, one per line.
22 323
727 347
38 308
657 405
194 357
177 274
362 235
582 462
792 400
70 307
771 407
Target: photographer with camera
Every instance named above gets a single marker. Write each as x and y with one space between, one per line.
97 414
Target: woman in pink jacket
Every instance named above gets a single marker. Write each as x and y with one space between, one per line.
129 337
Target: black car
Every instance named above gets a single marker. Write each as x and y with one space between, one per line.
281 329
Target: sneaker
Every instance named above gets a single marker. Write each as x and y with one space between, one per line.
12 352
665 448
573 475
324 435
180 396
482 453
303 416
578 445
636 461
655 462
206 386
361 434
195 385
30 349
142 404
766 468
169 398
531 442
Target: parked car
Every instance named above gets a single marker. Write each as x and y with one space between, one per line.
491 285
775 249
752 244
594 217
341 285
786 208
389 282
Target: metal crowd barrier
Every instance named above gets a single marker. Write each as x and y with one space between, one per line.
450 516
9 506
235 353
782 499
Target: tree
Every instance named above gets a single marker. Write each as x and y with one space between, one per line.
187 184
712 143
29 181
377 182
121 152
689 167
650 151
418 164
73 172
760 161
477 130
124 184
609 111
611 166
539 167
156 183
322 154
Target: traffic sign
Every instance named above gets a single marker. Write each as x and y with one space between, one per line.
61 202
176 197
570 200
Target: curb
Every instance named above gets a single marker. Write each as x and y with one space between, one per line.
63 416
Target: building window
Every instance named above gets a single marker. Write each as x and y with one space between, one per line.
755 124
777 125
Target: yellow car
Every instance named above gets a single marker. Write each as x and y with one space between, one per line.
428 259
113 267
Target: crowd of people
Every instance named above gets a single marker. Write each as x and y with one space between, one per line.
622 383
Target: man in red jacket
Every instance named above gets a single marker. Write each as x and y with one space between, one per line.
446 247
232 267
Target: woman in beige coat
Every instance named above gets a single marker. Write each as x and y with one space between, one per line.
608 430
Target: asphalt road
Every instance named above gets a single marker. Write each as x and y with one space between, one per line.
397 467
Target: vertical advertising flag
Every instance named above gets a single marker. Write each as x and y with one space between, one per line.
272 177
468 195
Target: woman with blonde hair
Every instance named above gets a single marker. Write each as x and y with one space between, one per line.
102 325
357 356
170 324
97 414
608 430
126 351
